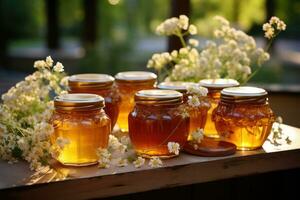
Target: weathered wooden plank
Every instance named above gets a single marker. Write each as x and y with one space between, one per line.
91 182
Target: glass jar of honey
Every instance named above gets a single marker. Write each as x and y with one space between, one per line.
128 83
197 113
101 84
244 117
156 120
214 87
80 119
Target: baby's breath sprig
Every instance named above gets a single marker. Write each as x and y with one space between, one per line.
25 113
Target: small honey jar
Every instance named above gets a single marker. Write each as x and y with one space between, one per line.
156 120
214 87
197 113
81 120
244 117
101 84
128 83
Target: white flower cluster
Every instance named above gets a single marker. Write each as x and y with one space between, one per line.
175 26
173 147
24 117
273 27
195 92
229 55
198 135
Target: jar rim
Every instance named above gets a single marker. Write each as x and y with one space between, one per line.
179 86
135 76
90 80
218 83
79 101
158 97
244 91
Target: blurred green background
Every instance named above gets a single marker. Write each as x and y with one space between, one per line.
125 36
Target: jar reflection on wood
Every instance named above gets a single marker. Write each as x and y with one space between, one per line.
214 87
100 84
244 117
128 83
157 119
80 119
197 114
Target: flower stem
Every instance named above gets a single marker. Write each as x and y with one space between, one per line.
181 39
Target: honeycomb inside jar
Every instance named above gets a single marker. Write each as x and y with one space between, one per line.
246 124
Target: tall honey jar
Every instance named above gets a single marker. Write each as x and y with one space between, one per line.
101 84
244 117
81 120
157 119
128 83
214 87
197 113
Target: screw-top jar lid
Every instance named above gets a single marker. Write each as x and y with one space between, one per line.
135 76
244 91
90 81
244 94
158 97
79 101
218 83
176 85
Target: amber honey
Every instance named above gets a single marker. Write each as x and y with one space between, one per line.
101 84
128 83
198 114
244 117
80 119
157 118
214 87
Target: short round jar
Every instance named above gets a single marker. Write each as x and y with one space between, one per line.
80 120
197 113
214 87
156 120
128 83
101 84
244 117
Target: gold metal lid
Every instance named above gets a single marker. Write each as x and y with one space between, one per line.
135 76
176 85
79 101
218 83
94 81
244 94
158 97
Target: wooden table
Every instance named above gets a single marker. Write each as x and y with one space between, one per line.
16 180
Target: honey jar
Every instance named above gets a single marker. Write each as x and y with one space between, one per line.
156 120
101 84
214 87
81 120
197 113
244 117
128 83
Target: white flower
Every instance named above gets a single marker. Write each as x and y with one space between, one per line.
279 120
194 42
183 22
103 158
194 101
122 162
49 61
39 64
58 67
197 90
139 162
193 29
62 142
173 147
155 162
222 20
198 135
